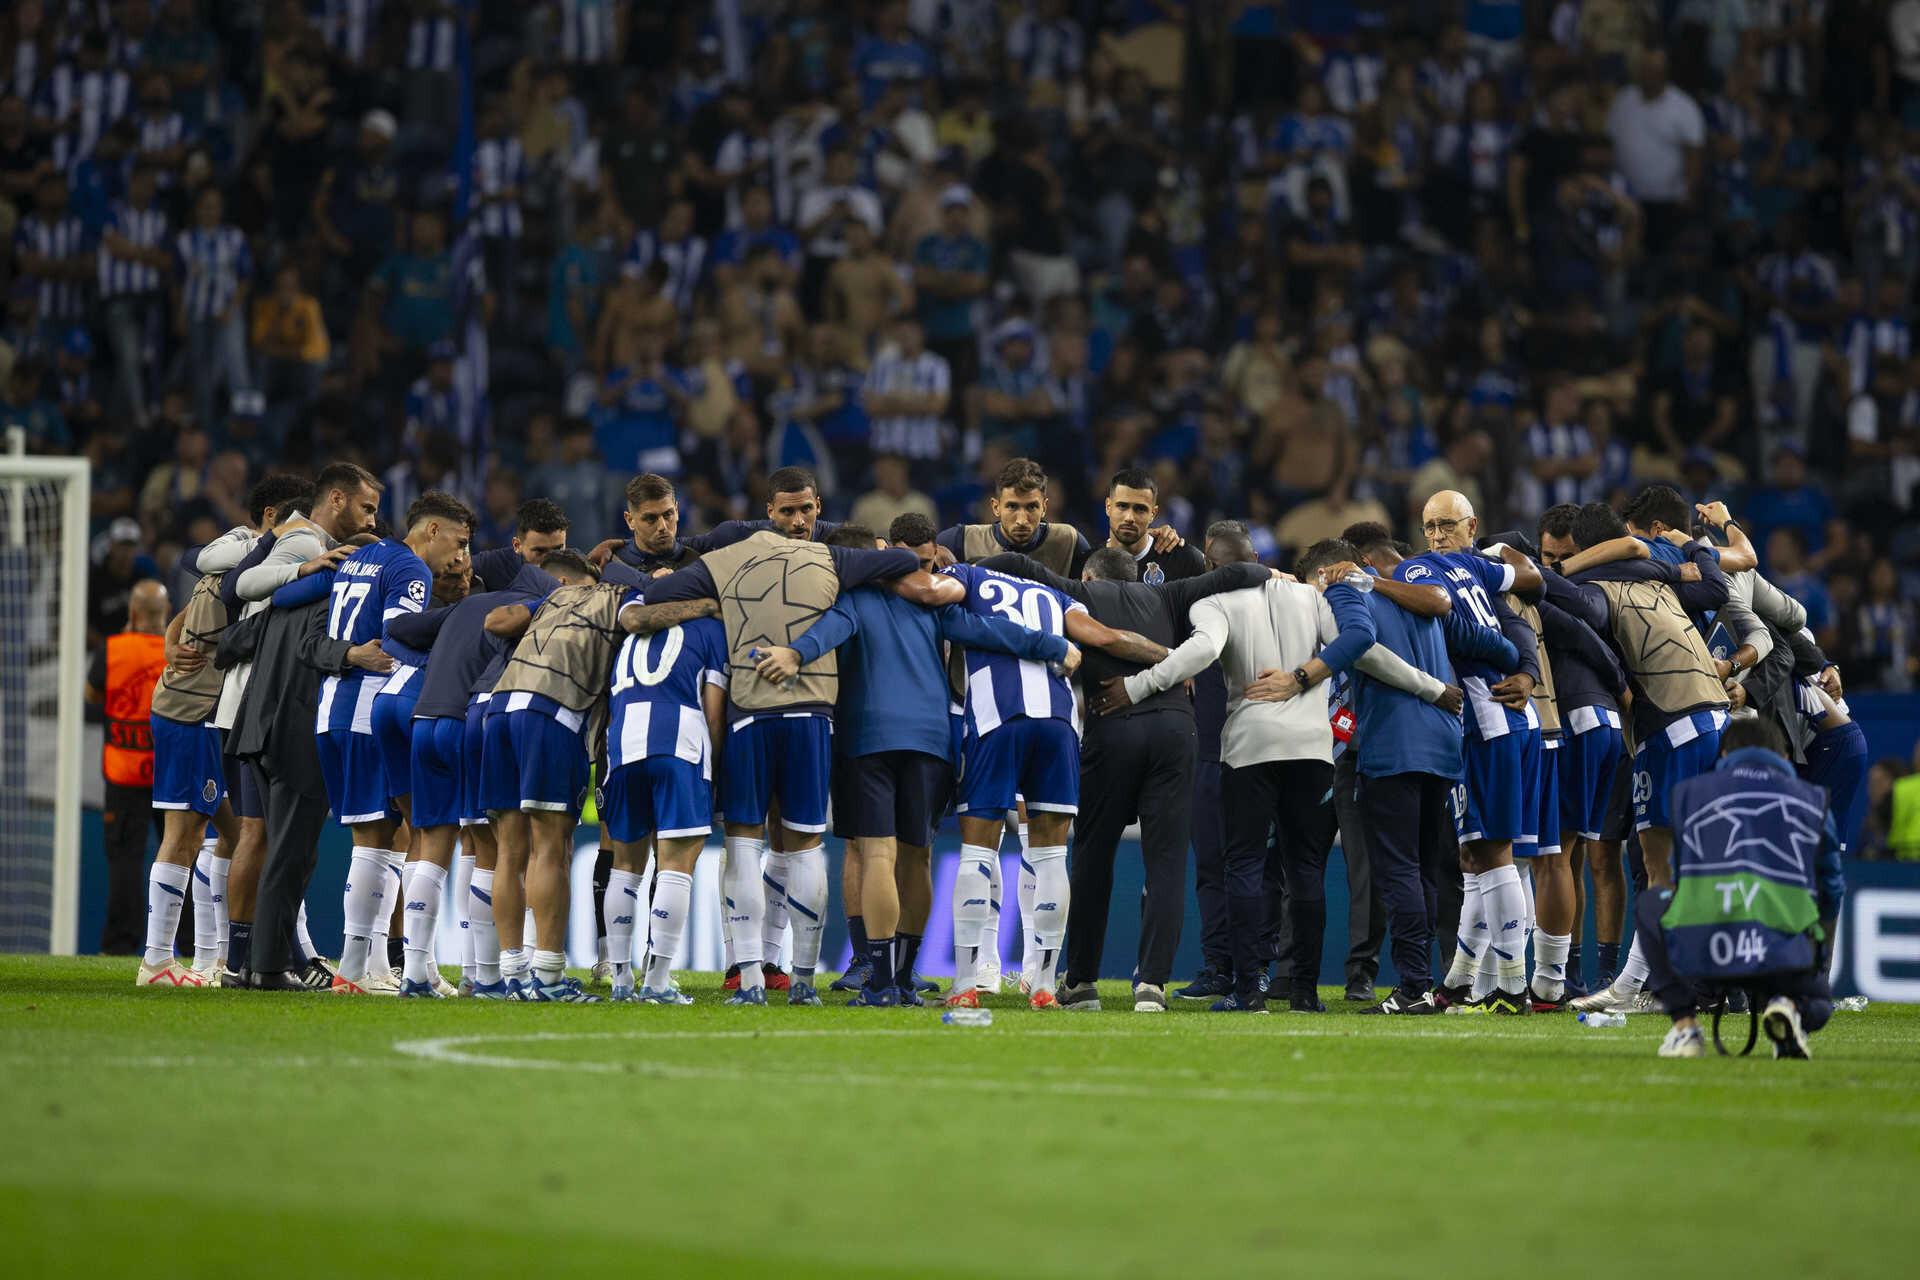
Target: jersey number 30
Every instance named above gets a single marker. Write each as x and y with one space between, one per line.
1034 608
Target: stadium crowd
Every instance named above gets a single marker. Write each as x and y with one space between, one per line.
1309 266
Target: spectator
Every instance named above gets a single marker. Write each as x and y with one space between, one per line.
1696 405
949 275
892 496
891 54
1029 200
1785 547
824 215
906 398
756 228
356 204
74 379
1318 248
54 250
676 248
499 179
26 405
760 317
577 479
1799 292
290 339
1788 500
1658 134
864 290
414 293
213 275
1013 397
574 287
1885 656
173 484
135 261
1560 456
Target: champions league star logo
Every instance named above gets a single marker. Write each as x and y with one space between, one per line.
1155 575
780 576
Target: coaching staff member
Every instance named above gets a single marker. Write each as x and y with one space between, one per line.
1136 763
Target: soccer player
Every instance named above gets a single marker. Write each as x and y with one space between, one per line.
793 511
370 588
1494 806
1133 500
458 649
1679 707
771 588
540 528
1019 503
653 524
1022 737
893 767
535 758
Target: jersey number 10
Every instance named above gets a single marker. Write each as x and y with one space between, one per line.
635 666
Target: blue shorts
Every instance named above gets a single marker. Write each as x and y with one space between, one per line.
435 762
393 728
890 793
1587 764
1659 767
1034 759
779 756
473 766
659 796
356 779
531 761
1494 799
188 772
243 789
1546 797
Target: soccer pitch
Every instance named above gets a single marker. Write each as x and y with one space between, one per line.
160 1133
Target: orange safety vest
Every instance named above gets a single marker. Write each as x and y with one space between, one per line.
134 663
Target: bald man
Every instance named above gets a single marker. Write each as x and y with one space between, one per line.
1501 762
120 681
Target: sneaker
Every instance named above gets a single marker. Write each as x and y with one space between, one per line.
1305 1000
1446 997
318 973
776 978
732 982
1542 1004
1232 1005
800 993
986 976
1148 998
170 974
465 990
1684 1042
1208 984
380 981
489 990
1506 1004
858 974
1604 1000
1045 999
343 986
910 998
968 999
756 996
1781 1022
520 988
1078 998
566 991
601 975
623 995
231 979
872 998
1644 1002
419 991
663 995
925 986
446 990
1405 1002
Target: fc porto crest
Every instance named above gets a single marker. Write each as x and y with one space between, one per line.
1154 575
210 792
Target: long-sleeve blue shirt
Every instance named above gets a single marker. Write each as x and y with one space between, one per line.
459 649
893 679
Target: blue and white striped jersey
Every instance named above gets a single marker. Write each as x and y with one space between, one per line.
910 436
657 684
1002 688
685 259
498 165
61 301
348 26
84 103
1473 580
147 229
586 30
432 43
370 586
213 262
161 131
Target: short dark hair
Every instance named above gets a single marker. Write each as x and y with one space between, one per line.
1221 528
1231 546
1323 553
1662 503
792 480
1557 521
856 536
540 515
910 530
570 562
1020 475
1133 478
1367 536
1597 523
648 487
280 490
348 477
1753 731
1111 564
438 504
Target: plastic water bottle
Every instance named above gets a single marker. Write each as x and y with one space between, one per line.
968 1017
1852 1004
1602 1019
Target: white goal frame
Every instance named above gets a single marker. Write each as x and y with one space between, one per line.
75 478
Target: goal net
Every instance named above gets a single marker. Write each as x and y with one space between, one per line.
43 593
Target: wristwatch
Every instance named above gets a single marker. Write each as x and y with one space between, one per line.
1301 678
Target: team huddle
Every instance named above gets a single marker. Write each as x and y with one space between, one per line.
1484 723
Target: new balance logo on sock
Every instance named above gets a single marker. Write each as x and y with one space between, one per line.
1511 924
623 919
1046 906
416 906
974 902
660 914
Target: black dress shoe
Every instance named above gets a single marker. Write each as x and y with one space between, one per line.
282 981
1305 1000
1360 992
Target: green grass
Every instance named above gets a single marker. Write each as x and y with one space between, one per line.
160 1133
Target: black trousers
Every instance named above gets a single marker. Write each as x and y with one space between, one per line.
1366 915
1410 839
295 819
1132 766
1210 868
1290 798
127 816
1809 991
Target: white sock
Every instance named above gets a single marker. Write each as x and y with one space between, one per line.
1550 964
1470 938
209 906
425 884
1506 906
480 927
972 898
1051 894
166 898
623 905
462 882
776 871
363 902
990 933
396 860
549 966
1486 974
807 904
513 964
746 905
1029 957
1633 974
302 940
672 891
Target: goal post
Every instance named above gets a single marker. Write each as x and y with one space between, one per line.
43 655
